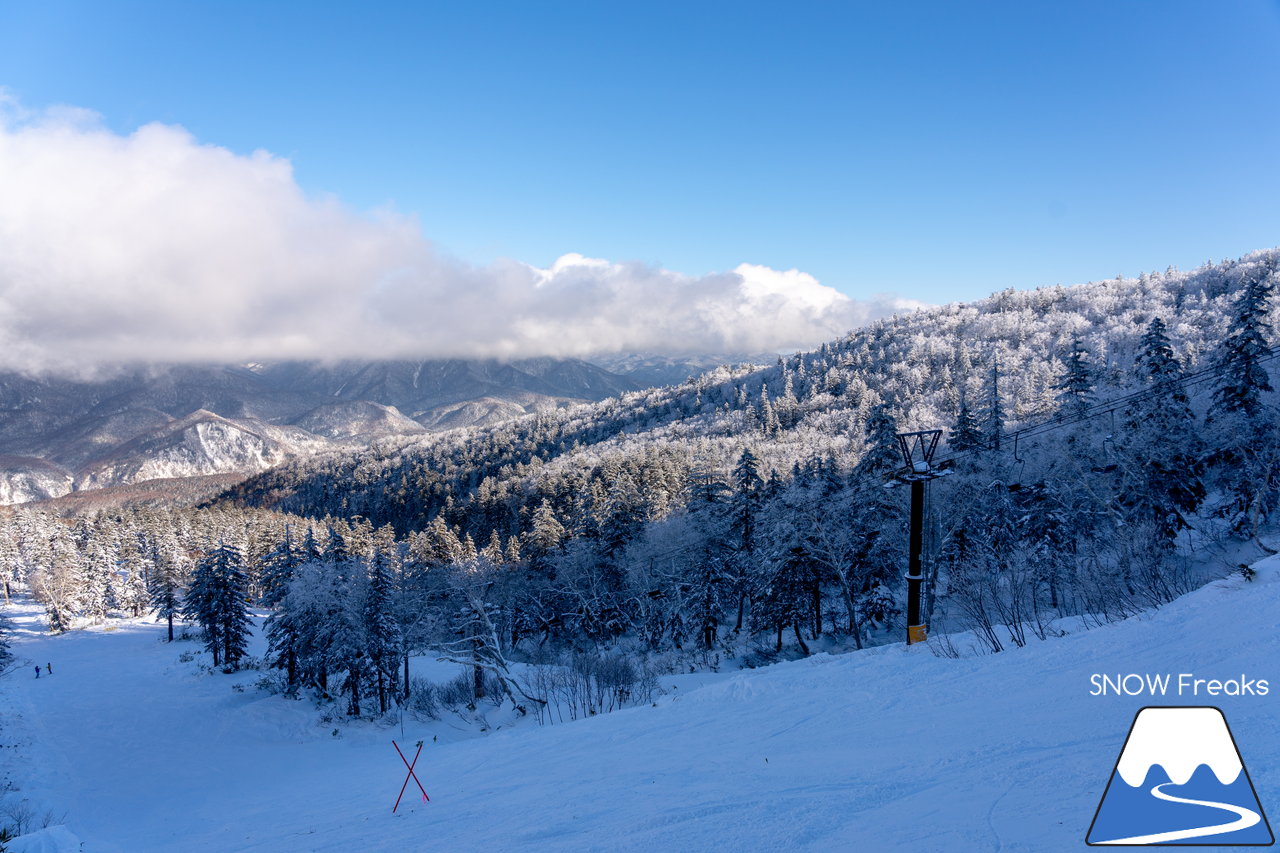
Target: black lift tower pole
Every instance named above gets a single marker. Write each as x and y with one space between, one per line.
917 451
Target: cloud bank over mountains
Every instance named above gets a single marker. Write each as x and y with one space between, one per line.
153 247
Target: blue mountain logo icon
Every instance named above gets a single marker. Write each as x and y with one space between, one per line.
1180 781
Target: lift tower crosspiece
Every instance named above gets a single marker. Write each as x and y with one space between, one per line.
917 452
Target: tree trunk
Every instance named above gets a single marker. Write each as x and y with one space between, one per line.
817 609
354 677
477 676
382 691
804 647
406 674
171 626
851 610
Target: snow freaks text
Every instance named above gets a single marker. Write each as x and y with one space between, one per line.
1182 684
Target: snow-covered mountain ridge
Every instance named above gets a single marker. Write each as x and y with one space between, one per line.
64 434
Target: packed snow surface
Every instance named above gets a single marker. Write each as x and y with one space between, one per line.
889 749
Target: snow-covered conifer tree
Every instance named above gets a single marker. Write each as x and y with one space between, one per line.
1239 358
166 587
966 435
1075 390
1162 461
743 513
1244 448
216 600
381 631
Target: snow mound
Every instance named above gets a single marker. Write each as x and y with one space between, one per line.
53 839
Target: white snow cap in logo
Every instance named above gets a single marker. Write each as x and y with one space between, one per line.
1179 740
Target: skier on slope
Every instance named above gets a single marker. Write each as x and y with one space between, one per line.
49 668
37 670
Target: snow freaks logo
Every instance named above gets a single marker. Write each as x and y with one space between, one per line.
1180 780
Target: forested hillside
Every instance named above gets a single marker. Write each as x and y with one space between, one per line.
1093 434
1002 359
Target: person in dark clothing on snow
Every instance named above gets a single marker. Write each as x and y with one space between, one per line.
48 667
37 670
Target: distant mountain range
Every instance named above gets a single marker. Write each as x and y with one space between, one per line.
60 435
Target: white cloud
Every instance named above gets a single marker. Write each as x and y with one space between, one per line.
154 247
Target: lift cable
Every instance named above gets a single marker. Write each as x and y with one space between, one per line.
1111 406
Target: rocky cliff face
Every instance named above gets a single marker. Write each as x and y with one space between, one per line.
24 478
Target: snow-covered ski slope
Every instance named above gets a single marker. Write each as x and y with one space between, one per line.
886 750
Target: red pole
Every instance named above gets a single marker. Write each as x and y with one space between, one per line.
411 775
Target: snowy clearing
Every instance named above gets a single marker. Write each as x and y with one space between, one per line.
888 749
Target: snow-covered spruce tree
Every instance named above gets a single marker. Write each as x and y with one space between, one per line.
94 576
1048 538
216 601
707 592
302 633
881 453
1075 390
381 630
278 570
993 416
11 561
878 524
132 593
337 640
348 652
544 536
1239 358
966 435
166 588
743 510
1244 454
1161 465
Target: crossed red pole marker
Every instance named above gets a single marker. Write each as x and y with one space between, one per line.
411 775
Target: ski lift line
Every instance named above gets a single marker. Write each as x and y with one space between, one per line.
1110 406
1115 403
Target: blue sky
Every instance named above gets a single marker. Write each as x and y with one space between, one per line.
935 150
